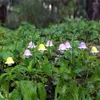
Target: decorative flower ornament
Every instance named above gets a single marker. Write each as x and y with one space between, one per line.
9 61
41 47
62 47
31 45
94 50
49 43
27 53
82 46
68 46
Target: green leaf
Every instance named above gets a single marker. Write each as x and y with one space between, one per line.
41 91
98 96
15 95
47 68
28 90
1 97
30 66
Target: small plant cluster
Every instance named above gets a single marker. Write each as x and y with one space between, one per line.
51 63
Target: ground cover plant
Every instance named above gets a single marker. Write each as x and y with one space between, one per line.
61 62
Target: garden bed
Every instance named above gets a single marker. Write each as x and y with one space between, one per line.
61 62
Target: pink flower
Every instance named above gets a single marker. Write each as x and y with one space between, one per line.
31 45
27 53
49 43
68 46
62 47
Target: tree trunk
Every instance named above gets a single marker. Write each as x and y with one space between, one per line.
3 13
96 10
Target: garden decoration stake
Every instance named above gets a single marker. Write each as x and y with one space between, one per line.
31 45
49 43
94 50
41 48
62 47
68 46
82 46
9 61
27 53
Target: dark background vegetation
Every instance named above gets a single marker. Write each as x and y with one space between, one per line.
38 12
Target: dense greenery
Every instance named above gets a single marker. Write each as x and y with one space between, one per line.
52 75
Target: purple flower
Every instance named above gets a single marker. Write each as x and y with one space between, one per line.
27 53
31 45
82 45
68 46
49 43
62 47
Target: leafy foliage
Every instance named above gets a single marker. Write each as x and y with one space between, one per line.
71 75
